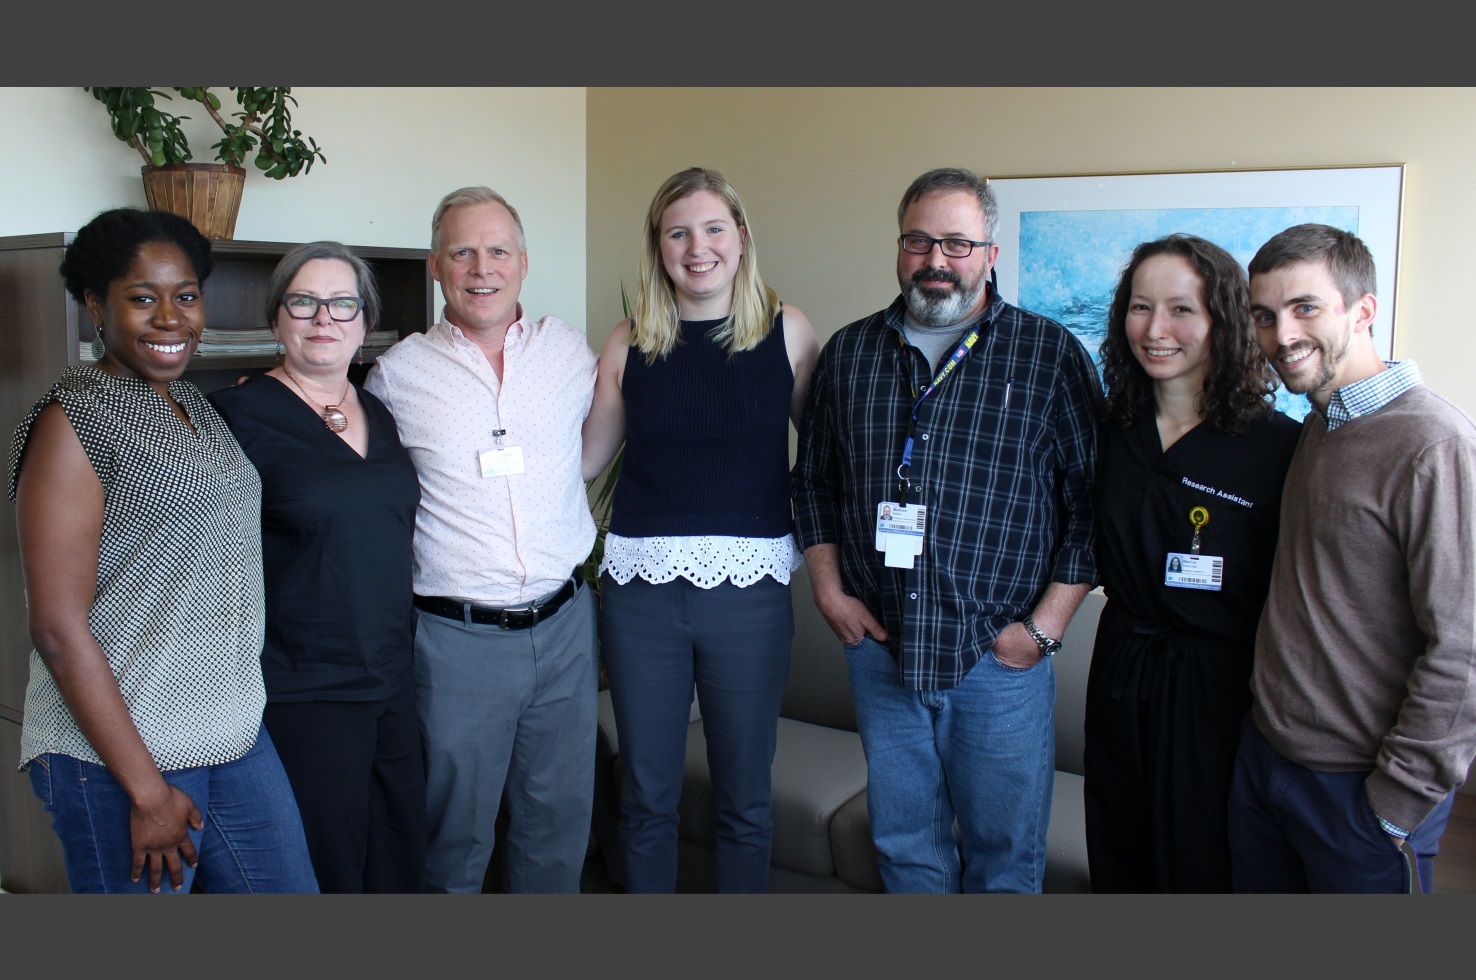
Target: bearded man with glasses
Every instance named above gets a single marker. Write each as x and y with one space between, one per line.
943 497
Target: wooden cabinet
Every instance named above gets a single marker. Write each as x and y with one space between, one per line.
44 330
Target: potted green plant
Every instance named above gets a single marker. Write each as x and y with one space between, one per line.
209 194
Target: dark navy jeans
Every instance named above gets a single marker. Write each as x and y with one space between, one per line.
732 644
1294 829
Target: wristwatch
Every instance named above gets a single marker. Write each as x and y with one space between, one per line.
1047 645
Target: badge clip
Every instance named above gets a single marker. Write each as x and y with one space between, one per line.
1199 517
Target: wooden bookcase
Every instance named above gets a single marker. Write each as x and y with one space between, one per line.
43 327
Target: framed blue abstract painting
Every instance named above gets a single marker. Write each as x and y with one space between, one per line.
1065 240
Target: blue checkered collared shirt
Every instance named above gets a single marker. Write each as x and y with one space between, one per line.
1003 459
1372 393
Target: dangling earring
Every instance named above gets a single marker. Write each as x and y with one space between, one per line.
98 347
281 353
361 354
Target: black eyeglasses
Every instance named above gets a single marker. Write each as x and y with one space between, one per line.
301 306
956 248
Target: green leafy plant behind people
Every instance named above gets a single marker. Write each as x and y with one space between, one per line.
262 125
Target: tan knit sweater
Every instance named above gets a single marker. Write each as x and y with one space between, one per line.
1366 651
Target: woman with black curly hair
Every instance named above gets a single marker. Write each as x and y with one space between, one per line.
1190 461
139 523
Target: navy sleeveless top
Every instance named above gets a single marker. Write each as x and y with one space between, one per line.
707 439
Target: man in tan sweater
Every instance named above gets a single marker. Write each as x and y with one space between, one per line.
1364 718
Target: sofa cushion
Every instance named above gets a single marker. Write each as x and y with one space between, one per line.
1072 665
851 847
816 772
819 687
1066 859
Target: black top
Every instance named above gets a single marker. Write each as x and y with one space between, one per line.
707 439
1144 496
336 539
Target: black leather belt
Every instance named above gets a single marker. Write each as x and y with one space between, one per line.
508 619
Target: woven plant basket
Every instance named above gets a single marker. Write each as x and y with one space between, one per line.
208 194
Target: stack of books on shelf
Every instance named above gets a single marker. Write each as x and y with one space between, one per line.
379 341
86 333
235 343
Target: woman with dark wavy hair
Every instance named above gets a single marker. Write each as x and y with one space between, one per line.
1190 461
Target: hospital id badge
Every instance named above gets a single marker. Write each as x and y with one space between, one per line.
501 462
1183 571
899 532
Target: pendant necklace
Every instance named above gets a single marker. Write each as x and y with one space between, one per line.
331 415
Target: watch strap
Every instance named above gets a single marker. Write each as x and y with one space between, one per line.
1048 646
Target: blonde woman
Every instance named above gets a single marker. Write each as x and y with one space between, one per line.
701 385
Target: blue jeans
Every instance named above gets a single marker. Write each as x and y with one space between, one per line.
252 840
981 754
733 644
508 712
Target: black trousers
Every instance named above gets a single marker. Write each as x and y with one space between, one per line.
357 771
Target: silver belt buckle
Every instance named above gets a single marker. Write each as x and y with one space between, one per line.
503 614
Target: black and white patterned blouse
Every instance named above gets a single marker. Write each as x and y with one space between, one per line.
179 605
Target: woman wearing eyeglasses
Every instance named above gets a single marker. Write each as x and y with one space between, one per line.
702 385
339 495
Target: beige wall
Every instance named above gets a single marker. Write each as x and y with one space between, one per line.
821 171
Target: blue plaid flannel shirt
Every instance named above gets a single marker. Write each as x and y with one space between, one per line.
1008 486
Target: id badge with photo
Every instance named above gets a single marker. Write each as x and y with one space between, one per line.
1188 571
899 532
501 462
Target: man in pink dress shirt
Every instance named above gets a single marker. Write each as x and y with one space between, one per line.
490 402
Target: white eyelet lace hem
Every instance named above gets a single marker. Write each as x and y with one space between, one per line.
704 560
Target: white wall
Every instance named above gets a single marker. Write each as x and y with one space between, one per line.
392 154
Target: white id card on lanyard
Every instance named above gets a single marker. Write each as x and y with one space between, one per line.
501 461
899 532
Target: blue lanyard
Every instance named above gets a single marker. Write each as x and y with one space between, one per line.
960 352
